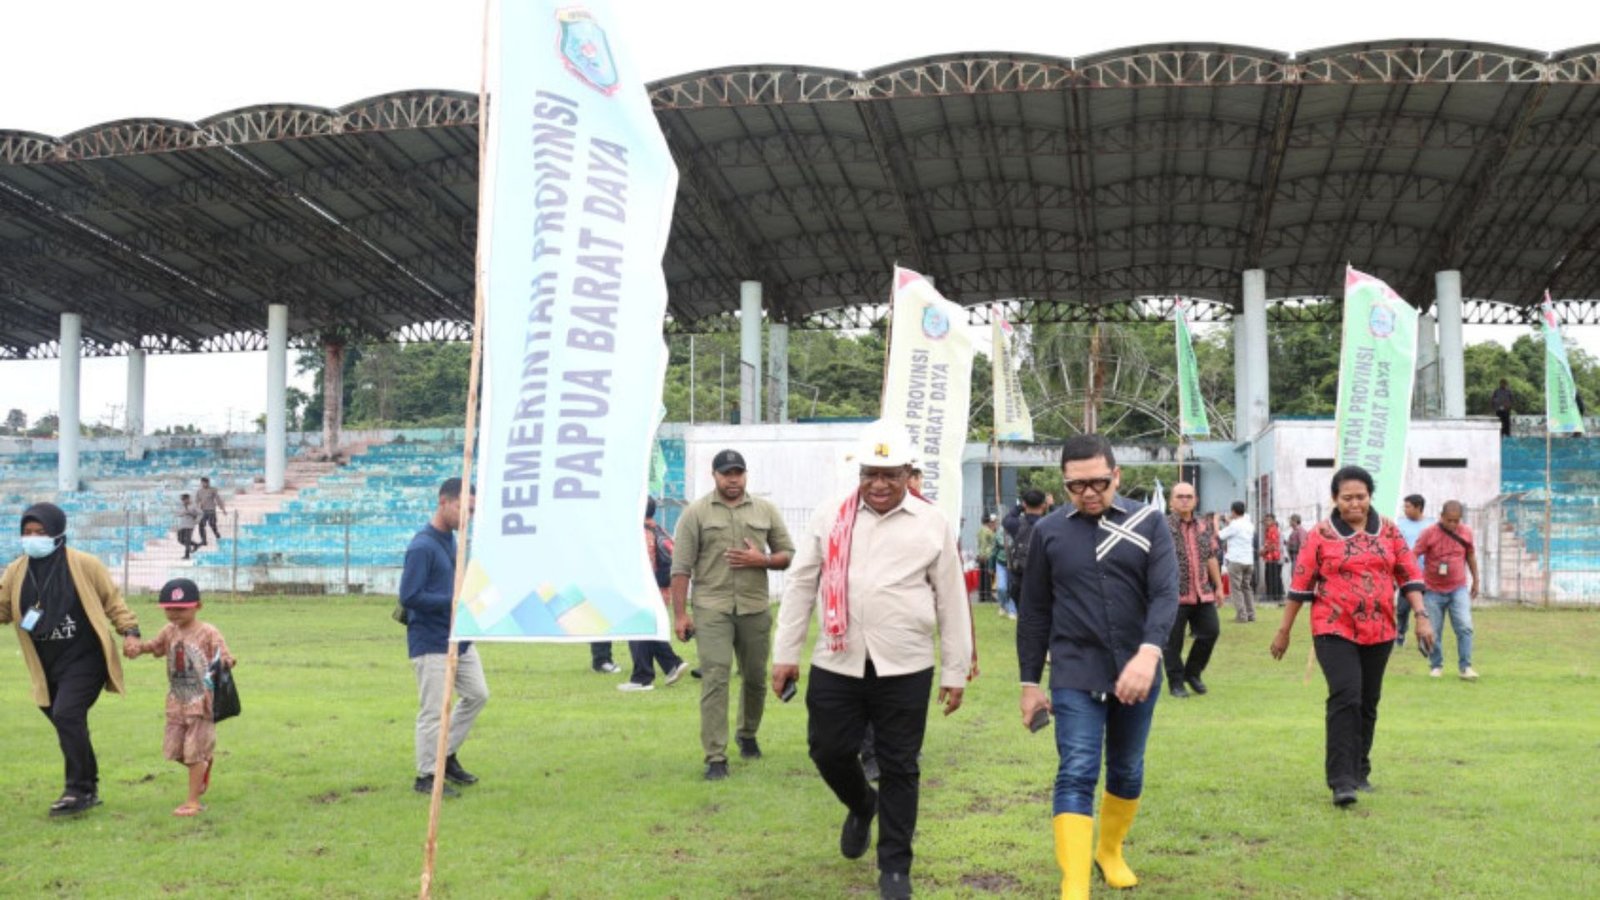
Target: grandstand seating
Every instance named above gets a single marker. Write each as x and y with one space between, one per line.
125 503
1574 506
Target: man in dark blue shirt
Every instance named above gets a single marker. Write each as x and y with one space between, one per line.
1100 596
427 590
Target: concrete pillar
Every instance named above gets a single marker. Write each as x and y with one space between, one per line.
1427 368
1256 352
135 414
277 394
67 413
134 421
1241 379
1452 360
332 395
778 361
749 352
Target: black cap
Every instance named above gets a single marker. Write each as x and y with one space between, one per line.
180 593
727 459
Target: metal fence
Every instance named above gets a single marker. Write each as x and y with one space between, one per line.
344 552
310 553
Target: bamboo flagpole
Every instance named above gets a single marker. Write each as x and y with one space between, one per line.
453 656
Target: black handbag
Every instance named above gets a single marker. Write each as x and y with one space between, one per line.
224 692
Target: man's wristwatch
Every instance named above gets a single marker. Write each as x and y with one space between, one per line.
131 632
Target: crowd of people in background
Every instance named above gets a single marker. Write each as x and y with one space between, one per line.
1106 591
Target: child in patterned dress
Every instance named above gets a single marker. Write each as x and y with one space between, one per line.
189 647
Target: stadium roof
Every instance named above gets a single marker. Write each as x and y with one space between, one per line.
1092 187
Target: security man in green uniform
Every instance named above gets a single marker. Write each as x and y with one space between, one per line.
725 542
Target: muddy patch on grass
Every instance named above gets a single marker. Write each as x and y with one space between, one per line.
991 882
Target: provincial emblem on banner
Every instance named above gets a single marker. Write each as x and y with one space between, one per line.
935 324
586 51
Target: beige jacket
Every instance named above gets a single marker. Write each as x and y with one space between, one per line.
905 583
102 604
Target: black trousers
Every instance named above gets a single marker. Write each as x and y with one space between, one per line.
1274 570
646 654
839 710
986 584
1505 421
73 691
599 654
1355 683
211 517
1202 618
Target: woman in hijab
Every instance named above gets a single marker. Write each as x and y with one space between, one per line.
65 607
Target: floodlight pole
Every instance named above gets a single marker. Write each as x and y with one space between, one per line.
453 656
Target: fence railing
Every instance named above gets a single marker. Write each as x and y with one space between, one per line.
352 552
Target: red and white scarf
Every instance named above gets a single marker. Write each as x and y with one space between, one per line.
836 573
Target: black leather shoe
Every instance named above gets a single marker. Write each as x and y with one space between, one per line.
457 775
856 835
1343 797
716 771
894 885
1195 684
424 785
1177 689
748 748
1365 786
72 804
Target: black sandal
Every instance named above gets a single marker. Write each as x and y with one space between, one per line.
72 804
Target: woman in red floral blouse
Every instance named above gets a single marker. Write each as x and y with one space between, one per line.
1348 569
1272 557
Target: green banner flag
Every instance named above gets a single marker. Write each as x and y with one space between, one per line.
1560 391
1377 367
1191 406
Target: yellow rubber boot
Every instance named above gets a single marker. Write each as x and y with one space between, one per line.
1074 833
1116 817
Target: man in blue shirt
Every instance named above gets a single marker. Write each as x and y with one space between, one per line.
1100 596
1411 526
427 590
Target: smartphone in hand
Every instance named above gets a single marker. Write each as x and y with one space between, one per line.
1040 719
788 692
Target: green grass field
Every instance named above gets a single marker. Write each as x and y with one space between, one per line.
1485 790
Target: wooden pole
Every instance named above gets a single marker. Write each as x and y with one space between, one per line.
1547 498
452 657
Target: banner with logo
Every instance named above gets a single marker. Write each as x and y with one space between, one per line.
1377 367
1012 421
1192 419
1560 391
928 384
578 197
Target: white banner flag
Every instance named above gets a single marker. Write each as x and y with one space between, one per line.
1012 421
579 197
929 383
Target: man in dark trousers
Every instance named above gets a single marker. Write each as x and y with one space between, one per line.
881 571
210 503
427 590
1199 593
1099 598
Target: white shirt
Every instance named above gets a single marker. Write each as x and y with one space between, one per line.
905 582
1239 536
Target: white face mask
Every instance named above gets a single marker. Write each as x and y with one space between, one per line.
38 546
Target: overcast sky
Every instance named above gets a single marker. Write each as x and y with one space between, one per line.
69 64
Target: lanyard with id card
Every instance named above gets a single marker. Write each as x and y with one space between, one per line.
30 619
